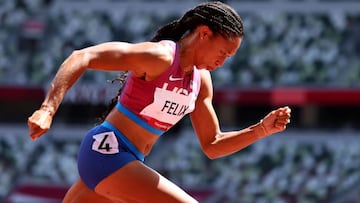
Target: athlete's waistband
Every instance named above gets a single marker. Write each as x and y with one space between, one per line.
127 142
138 120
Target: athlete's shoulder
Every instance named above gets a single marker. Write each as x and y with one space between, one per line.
169 47
163 50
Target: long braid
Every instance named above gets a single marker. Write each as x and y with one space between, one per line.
219 17
121 79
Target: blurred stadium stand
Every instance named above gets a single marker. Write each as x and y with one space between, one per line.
302 53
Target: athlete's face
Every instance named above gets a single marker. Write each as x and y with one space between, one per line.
214 50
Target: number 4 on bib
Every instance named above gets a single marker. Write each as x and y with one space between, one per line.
105 143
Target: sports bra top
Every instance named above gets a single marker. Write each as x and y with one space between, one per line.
159 104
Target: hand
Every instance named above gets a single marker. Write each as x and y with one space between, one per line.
276 120
39 123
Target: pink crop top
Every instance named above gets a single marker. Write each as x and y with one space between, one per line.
162 102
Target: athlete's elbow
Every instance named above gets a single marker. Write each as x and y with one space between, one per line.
77 54
210 152
81 58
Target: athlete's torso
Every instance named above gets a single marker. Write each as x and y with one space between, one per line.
156 105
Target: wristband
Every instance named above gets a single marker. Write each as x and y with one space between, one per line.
263 127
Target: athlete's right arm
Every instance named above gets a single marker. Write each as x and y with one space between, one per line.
111 56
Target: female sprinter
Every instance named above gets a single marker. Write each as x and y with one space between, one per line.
169 77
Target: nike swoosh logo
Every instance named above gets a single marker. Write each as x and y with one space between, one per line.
171 78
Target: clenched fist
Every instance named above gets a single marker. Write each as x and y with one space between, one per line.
39 123
276 120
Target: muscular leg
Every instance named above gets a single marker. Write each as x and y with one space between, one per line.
139 183
79 193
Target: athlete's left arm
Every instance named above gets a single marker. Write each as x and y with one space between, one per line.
217 144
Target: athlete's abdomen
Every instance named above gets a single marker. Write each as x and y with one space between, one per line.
138 136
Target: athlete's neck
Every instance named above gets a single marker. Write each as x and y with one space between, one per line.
186 51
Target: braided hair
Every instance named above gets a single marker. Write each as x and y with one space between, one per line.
218 16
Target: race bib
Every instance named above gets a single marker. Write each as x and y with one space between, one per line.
169 106
105 143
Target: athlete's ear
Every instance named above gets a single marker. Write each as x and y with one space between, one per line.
204 32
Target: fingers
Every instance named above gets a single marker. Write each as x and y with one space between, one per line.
277 120
280 126
284 111
282 121
36 133
35 136
35 130
283 118
284 114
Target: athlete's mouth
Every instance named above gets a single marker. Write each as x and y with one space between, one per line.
217 64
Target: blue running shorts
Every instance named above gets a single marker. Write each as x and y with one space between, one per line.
104 150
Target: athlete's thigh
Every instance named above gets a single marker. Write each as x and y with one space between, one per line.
138 182
79 193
